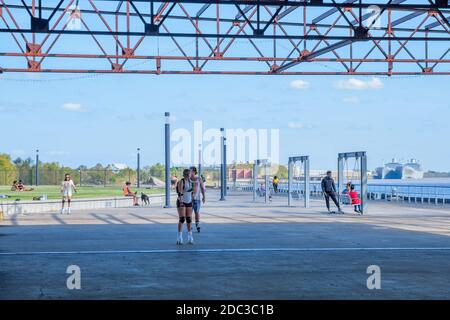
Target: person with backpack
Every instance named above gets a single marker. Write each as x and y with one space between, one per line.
185 189
329 191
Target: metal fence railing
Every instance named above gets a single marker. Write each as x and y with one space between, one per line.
405 193
82 177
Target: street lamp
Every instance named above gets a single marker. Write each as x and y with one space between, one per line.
167 158
37 168
138 171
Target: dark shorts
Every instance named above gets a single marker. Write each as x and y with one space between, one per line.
181 204
197 205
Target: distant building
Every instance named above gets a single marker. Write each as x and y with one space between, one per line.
240 174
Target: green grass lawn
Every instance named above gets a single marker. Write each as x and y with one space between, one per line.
53 192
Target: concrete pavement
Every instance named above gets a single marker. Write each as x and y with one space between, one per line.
245 251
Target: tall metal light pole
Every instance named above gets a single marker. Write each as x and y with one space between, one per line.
138 170
167 159
37 168
225 169
222 165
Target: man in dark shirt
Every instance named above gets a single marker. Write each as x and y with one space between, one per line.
329 191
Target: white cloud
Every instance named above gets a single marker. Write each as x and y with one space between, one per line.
57 153
299 84
17 153
295 125
351 99
75 107
357 84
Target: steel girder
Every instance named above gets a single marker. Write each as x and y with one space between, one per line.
273 37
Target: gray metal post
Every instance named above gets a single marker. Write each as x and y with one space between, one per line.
340 175
306 190
37 168
225 172
167 159
255 178
290 172
306 194
138 170
222 165
364 184
266 182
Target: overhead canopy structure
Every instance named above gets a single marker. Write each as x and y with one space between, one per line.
247 37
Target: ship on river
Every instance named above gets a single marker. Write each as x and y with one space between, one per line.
412 169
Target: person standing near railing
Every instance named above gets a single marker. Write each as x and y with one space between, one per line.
275 182
329 191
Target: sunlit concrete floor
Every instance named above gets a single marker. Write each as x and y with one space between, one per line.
245 250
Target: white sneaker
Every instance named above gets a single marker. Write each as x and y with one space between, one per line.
68 211
190 239
180 240
62 211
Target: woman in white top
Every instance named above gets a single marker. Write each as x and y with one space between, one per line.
67 188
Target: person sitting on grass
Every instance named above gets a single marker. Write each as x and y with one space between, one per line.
127 193
356 202
21 187
14 186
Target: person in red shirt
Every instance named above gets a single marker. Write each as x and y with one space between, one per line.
356 202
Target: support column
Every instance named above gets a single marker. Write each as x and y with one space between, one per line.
306 194
340 175
167 159
225 169
266 182
363 167
290 172
37 168
138 168
255 179
222 165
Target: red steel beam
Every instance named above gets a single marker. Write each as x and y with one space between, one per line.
278 50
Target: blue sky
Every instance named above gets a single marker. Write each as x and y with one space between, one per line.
104 118
79 119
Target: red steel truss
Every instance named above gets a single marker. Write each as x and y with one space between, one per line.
248 37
